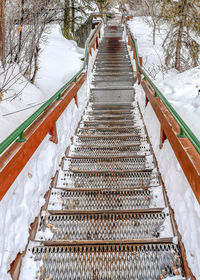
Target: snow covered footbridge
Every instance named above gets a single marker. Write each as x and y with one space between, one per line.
106 214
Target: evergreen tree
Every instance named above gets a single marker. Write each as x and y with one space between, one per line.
182 51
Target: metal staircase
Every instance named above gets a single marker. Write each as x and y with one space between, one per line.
107 216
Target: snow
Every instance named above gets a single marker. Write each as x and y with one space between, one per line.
23 201
181 90
59 61
181 197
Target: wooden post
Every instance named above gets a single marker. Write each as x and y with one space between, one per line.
97 43
140 59
53 133
146 101
76 100
163 137
2 32
93 46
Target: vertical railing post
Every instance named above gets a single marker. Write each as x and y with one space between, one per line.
53 134
163 137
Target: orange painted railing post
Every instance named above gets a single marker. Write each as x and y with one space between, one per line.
146 101
163 137
140 58
53 134
97 43
76 100
93 46
90 51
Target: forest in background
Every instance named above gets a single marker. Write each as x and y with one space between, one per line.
24 22
182 20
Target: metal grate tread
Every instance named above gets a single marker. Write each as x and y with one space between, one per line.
112 151
108 124
107 199
107 179
110 131
105 226
110 140
141 262
111 164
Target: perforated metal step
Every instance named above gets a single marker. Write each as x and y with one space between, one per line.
111 106
110 131
100 123
110 117
110 140
108 164
107 179
106 226
108 199
141 262
111 112
111 151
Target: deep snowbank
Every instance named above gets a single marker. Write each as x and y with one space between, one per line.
181 90
59 60
23 201
181 197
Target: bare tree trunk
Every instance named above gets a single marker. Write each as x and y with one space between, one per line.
73 16
20 29
66 29
180 35
154 33
2 32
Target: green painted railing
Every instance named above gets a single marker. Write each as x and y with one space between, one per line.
19 132
185 131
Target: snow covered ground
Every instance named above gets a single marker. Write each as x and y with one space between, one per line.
182 92
59 60
181 89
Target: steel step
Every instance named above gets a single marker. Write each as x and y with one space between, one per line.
107 124
112 106
112 88
109 140
120 261
106 226
112 83
113 69
110 118
98 151
110 111
110 131
107 179
111 164
106 199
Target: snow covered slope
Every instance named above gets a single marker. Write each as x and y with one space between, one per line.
181 90
23 201
59 60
